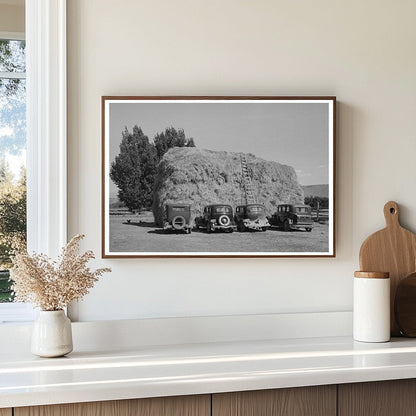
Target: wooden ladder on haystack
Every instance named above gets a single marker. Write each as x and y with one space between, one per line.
248 186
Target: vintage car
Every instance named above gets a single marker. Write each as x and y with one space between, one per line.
251 217
292 217
216 217
177 218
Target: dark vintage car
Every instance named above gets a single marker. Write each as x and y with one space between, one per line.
216 217
177 218
251 217
292 217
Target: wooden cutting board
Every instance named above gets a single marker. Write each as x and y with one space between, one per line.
393 250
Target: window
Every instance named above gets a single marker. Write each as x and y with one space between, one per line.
46 135
224 210
12 154
12 166
256 209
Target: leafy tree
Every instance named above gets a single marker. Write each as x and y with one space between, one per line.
171 138
134 168
12 56
12 97
12 142
12 213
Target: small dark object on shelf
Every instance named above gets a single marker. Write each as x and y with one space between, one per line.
405 306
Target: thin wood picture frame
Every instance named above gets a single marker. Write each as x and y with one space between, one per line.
218 176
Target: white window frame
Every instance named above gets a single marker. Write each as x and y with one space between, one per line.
46 125
46 134
15 312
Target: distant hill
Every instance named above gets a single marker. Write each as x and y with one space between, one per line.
316 190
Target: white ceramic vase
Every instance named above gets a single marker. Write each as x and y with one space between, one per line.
52 334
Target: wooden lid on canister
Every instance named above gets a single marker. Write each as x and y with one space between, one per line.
372 275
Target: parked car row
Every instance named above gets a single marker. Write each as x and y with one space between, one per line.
220 217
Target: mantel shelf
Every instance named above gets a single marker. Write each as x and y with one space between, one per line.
170 370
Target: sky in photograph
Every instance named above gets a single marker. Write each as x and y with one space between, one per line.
294 134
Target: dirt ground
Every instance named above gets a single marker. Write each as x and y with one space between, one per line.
141 235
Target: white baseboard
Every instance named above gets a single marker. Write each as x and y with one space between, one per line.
113 335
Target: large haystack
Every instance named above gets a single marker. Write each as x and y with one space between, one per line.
202 177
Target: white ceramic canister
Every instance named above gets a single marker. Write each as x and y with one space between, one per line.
371 322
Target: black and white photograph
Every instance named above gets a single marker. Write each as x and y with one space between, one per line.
218 176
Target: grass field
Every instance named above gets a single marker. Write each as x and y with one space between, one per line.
141 235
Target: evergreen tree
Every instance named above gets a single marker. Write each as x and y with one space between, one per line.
134 168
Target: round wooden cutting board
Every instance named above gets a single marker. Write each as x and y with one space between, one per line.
392 250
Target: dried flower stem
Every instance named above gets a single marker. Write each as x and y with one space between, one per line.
53 285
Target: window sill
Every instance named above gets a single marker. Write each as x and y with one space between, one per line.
16 313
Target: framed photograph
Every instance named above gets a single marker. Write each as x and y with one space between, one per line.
218 176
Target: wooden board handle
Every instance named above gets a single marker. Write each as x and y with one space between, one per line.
391 214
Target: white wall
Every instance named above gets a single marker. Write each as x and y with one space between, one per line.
361 51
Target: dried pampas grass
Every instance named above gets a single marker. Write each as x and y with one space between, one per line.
53 285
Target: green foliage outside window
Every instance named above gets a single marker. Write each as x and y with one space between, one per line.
12 155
